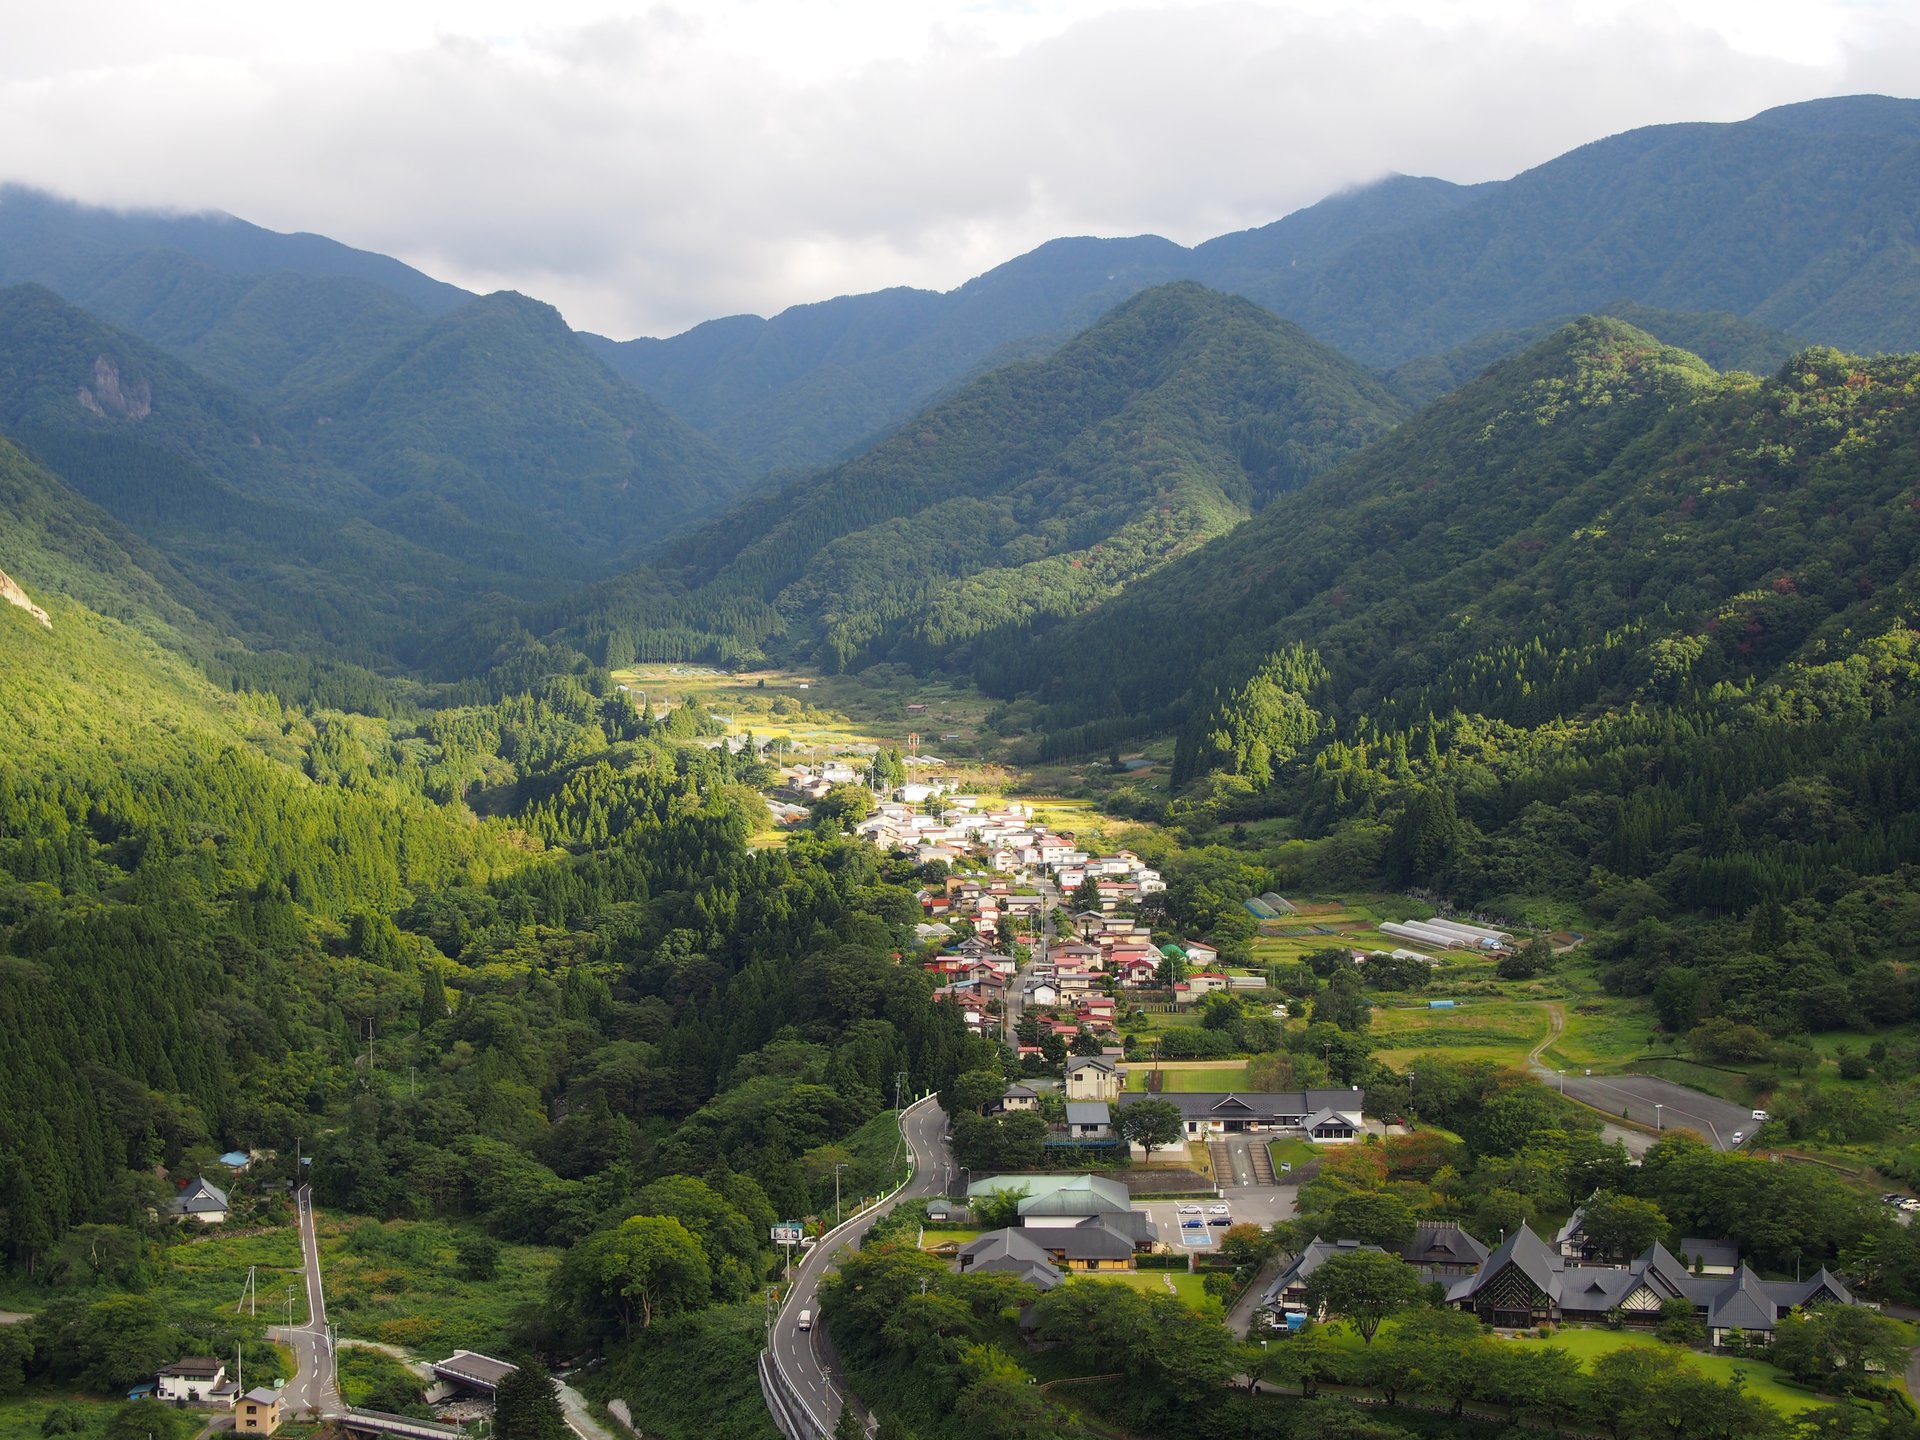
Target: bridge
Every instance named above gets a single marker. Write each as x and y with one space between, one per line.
376 1422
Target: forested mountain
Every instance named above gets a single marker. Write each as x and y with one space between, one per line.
812 382
1799 220
69 248
494 435
1603 625
275 539
488 454
1032 492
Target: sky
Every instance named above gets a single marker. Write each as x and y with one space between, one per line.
648 166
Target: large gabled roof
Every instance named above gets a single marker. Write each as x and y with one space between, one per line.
1742 1302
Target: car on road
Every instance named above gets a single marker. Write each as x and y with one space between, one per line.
1189 1209
1738 1136
805 1322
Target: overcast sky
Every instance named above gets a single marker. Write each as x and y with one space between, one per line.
646 167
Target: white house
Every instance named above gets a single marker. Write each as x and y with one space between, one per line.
1092 1077
205 1202
190 1379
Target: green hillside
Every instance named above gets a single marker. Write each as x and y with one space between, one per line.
496 436
1603 629
1032 492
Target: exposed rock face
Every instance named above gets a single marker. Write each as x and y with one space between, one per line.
107 397
14 595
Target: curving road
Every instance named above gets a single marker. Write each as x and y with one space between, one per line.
314 1388
803 1356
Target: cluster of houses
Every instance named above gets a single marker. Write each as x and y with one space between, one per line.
1094 1085
1529 1282
1007 838
202 1380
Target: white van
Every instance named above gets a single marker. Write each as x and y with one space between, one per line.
805 1322
1760 1115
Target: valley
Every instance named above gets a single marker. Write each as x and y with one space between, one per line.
1316 833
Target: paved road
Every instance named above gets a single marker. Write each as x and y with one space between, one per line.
1635 1096
11 1317
800 1354
314 1388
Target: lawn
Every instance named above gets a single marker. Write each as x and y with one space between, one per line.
931 1238
1292 1151
400 1284
1187 1079
1762 1380
1190 1288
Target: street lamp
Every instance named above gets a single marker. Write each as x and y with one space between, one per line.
1658 1106
1563 1080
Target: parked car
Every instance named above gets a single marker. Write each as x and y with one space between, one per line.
1189 1209
1220 1220
1222 1209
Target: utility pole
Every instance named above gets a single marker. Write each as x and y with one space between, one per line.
249 1295
838 1166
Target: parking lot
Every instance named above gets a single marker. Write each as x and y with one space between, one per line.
1246 1204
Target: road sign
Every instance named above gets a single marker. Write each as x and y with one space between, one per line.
791 1233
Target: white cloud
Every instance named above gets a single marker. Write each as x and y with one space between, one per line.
647 167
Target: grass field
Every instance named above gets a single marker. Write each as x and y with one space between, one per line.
1189 1288
364 1372
400 1284
205 1278
1502 1030
1763 1381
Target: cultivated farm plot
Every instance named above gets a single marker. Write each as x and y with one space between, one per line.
1500 1030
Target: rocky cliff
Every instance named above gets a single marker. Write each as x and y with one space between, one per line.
14 595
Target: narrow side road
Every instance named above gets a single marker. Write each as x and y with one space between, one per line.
803 1356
